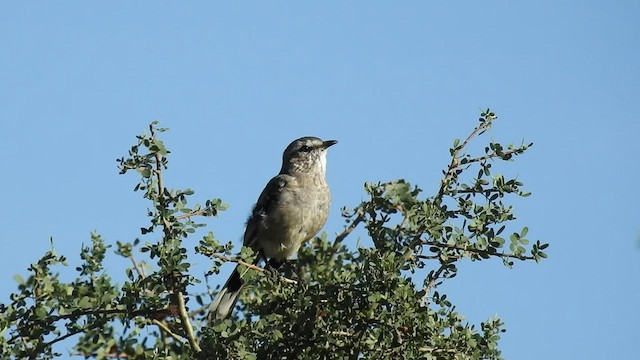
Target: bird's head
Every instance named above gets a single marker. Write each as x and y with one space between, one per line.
306 155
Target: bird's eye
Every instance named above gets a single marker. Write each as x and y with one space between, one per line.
305 148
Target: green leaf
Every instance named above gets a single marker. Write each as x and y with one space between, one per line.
40 312
18 279
85 302
145 172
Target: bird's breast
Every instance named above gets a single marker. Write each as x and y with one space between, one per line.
301 212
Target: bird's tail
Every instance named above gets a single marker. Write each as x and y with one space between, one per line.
224 302
226 299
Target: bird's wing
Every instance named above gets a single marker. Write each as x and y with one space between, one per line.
269 198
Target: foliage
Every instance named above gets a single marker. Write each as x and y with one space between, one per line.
334 302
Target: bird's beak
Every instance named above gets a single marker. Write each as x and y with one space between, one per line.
326 144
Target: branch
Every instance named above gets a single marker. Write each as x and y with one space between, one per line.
443 266
166 329
166 226
474 250
487 157
454 160
158 172
76 314
65 336
70 334
186 323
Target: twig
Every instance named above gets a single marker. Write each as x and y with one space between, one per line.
477 251
67 335
405 218
138 267
198 311
249 265
158 172
190 214
342 333
166 226
349 228
485 192
487 157
163 327
437 351
166 329
454 160
443 267
70 334
427 257
340 237
432 282
76 314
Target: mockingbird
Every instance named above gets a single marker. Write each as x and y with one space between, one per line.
291 209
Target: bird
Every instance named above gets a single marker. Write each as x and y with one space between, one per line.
291 209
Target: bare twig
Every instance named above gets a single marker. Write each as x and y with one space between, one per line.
168 331
437 351
349 228
190 214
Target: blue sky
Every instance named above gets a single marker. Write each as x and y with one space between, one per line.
395 83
